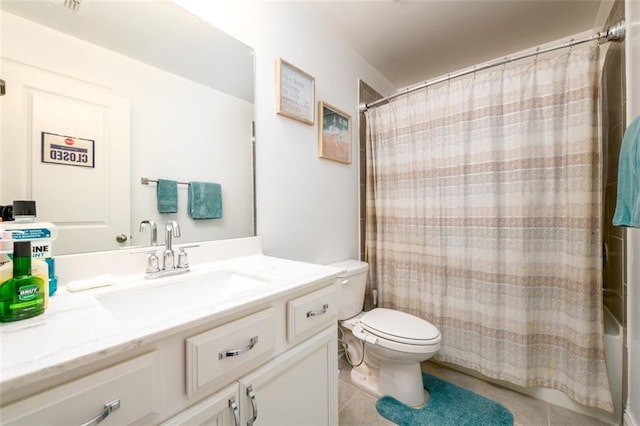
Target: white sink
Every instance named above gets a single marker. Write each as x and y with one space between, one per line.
174 295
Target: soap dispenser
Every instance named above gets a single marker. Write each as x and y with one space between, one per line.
23 295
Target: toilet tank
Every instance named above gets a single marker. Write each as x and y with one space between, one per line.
351 286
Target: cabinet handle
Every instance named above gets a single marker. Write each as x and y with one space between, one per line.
236 352
320 312
234 409
254 405
108 408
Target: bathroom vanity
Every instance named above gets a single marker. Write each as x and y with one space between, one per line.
242 338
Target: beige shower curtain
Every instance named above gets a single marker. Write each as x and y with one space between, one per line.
483 217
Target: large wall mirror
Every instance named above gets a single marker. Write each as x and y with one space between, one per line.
144 90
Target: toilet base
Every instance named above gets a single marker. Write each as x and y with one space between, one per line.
401 381
364 378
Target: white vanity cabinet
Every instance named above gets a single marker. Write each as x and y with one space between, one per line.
297 387
267 360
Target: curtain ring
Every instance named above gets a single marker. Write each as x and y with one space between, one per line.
535 61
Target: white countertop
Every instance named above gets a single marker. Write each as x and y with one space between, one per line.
78 329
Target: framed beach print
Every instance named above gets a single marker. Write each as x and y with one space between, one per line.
334 133
295 93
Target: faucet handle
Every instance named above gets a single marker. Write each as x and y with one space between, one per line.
153 263
182 259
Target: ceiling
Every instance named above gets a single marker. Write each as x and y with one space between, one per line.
408 41
413 41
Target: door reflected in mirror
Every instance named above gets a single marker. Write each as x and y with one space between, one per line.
160 93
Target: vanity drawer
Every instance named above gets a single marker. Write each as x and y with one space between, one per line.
132 388
219 355
311 312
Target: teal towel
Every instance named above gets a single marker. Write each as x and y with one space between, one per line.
204 200
167 194
628 203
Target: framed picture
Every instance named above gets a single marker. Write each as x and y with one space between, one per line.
295 93
334 133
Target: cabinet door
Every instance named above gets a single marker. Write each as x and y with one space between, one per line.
220 409
298 388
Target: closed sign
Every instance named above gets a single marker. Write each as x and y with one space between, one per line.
60 149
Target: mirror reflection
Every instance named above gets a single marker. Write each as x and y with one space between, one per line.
147 90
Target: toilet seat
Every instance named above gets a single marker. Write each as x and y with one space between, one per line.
397 331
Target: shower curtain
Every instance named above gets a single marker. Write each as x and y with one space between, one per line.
484 218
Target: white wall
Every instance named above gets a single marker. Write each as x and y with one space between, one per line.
180 130
301 199
307 207
632 416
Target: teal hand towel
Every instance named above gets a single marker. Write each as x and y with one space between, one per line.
167 194
628 203
204 200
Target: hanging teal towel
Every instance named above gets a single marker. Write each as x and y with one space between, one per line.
167 194
628 203
204 200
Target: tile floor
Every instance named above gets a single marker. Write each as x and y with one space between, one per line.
357 408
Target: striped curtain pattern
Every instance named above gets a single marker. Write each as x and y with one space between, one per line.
484 218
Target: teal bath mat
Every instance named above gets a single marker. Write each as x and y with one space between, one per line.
448 405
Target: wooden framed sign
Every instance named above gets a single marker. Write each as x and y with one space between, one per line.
334 133
295 93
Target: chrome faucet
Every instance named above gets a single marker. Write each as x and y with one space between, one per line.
169 267
153 233
172 229
152 261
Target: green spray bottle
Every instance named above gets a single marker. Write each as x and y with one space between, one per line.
22 296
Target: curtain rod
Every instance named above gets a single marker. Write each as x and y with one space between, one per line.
615 32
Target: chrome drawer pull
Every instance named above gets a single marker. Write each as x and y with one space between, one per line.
108 408
236 352
234 408
320 312
254 405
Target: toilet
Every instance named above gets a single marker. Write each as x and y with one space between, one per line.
385 346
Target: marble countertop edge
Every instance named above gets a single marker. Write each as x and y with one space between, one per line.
76 330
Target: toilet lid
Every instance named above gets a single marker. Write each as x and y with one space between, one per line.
399 327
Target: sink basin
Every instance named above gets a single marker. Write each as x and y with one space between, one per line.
174 295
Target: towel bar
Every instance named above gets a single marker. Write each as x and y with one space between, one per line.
145 181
